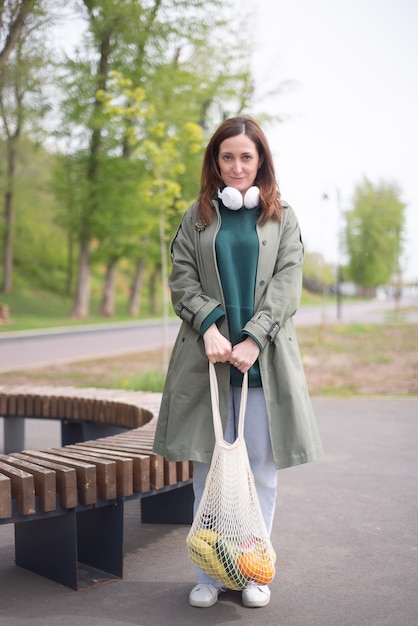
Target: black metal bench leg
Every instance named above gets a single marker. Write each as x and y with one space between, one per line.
74 431
14 434
79 550
100 545
49 547
174 506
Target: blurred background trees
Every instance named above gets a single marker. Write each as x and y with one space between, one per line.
374 236
101 147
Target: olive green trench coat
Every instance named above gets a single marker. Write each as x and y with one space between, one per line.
185 428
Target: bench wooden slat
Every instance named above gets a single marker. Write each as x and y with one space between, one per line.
75 409
44 407
68 408
21 401
124 467
53 406
156 460
12 405
23 488
62 400
144 441
105 471
3 403
85 472
165 471
170 472
45 483
141 463
37 406
183 471
88 409
29 405
66 479
5 497
136 437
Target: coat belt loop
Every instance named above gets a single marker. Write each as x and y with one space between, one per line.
272 332
187 315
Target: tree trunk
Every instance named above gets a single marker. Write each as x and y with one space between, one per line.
108 303
82 294
154 301
135 297
15 30
8 218
8 244
70 265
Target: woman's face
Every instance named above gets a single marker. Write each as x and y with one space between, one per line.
238 162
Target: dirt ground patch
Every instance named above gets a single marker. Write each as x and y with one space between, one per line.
361 360
338 361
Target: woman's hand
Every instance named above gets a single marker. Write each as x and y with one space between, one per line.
218 348
244 354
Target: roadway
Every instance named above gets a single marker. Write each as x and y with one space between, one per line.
41 348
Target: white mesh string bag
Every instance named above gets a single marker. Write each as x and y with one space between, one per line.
228 538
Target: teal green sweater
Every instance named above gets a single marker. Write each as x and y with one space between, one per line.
237 256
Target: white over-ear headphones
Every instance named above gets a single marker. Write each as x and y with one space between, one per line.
232 198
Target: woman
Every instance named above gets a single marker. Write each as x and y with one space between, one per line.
236 283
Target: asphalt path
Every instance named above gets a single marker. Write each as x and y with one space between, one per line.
345 533
34 349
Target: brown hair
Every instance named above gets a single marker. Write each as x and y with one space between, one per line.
211 181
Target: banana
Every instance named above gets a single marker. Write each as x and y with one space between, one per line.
210 536
261 548
200 546
205 556
211 567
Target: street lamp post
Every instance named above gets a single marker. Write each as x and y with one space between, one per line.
338 272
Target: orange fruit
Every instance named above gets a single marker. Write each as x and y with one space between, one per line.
258 567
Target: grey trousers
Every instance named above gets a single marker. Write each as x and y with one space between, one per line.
257 439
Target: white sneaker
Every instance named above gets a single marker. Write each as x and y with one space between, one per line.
256 596
204 595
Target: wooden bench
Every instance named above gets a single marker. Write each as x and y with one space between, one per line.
66 503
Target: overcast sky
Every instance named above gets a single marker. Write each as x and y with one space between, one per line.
353 113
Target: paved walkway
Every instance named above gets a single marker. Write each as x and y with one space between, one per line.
346 534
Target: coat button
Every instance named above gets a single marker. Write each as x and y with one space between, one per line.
262 283
264 242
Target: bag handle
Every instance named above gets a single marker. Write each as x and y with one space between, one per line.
214 396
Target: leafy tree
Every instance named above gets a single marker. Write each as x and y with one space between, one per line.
374 234
318 276
138 213
155 46
39 250
23 76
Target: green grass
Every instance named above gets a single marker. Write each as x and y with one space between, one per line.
378 359
146 381
342 391
31 309
34 309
